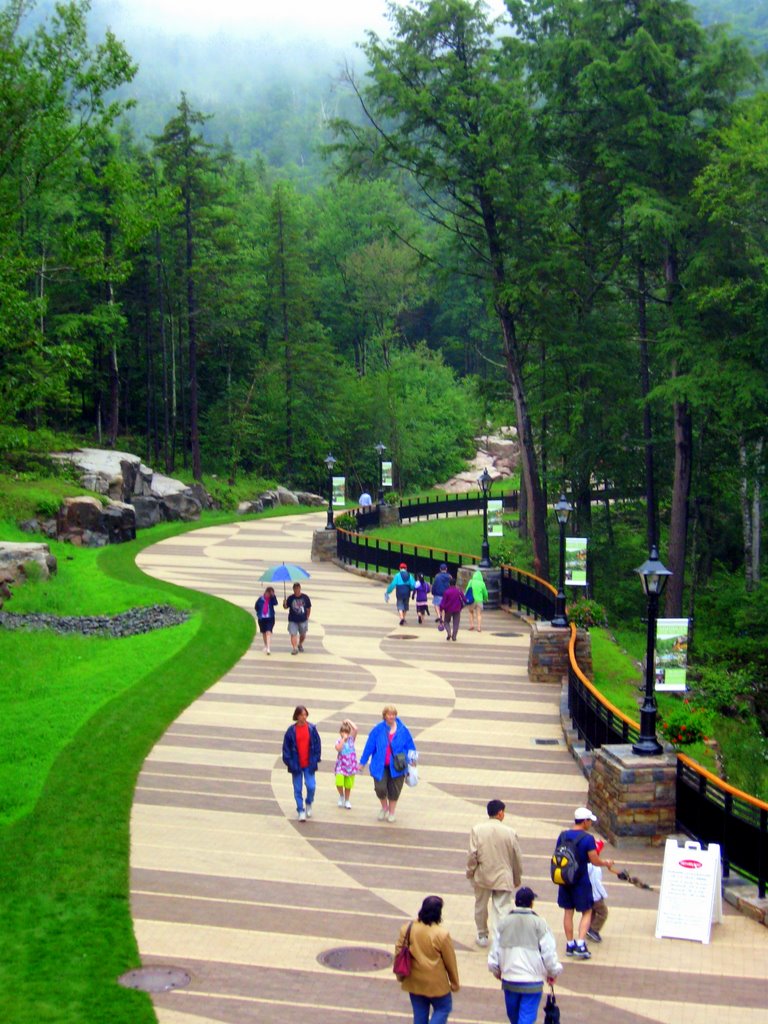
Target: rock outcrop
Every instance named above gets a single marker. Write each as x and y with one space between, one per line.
18 560
139 498
498 453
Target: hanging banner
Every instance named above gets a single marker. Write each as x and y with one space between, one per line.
671 662
338 491
691 891
495 522
386 474
576 561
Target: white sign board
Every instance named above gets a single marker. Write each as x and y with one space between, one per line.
691 891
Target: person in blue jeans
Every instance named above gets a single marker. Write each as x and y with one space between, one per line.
434 971
301 756
523 955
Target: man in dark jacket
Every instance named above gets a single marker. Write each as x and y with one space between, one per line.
301 756
440 584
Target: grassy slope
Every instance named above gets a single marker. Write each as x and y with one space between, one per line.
462 533
67 930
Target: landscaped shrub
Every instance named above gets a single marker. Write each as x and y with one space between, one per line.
346 521
587 612
727 692
684 724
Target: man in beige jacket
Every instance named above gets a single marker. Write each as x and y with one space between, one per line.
494 866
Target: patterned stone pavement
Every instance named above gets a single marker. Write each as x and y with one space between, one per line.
229 886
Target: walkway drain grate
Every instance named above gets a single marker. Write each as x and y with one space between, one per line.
356 958
155 979
402 636
547 743
506 634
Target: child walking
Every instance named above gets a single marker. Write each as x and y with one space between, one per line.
346 762
422 594
599 897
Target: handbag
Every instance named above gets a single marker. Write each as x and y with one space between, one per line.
402 963
469 597
399 761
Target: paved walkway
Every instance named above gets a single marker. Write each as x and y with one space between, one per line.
229 886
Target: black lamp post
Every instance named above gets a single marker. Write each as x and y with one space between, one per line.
563 510
330 463
653 576
485 486
380 449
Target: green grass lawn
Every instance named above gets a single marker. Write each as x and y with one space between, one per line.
79 717
463 534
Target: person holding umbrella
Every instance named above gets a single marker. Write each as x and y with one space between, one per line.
299 609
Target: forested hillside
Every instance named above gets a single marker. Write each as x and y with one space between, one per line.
560 226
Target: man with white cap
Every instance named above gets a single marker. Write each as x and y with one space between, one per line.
577 896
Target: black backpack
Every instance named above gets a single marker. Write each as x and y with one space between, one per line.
564 865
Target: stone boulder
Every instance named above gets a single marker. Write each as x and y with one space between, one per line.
85 522
308 498
286 497
45 526
180 505
161 486
15 559
249 508
147 511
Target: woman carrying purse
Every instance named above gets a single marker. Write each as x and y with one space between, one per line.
434 974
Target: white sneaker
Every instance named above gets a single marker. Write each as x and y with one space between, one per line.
382 814
341 801
482 940
390 817
302 816
348 805
309 810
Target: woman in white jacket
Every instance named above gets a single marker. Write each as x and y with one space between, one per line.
523 956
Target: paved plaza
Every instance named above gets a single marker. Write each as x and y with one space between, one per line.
229 886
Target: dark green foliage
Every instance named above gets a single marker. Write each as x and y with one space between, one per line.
586 613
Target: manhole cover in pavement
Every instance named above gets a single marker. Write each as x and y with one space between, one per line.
356 958
155 979
402 636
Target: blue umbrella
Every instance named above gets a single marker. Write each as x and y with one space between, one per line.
284 573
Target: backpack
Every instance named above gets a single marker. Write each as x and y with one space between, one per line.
564 864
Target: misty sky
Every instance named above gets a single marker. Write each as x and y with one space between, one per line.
339 19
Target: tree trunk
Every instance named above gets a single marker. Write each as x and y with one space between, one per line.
164 348
194 429
678 524
645 387
287 351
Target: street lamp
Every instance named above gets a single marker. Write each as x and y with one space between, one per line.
653 576
485 486
380 449
562 510
330 463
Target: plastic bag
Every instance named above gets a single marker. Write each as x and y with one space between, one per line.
412 778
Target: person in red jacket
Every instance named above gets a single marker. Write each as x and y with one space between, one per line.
301 756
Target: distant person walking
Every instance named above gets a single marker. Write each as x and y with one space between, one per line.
479 591
299 609
301 756
346 762
365 502
522 957
387 749
494 866
450 609
265 616
577 896
440 584
422 597
404 585
434 971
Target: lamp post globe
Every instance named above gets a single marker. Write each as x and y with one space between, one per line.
562 510
653 577
330 462
485 481
380 449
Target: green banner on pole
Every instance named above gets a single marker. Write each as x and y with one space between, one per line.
576 561
495 521
338 491
671 654
386 474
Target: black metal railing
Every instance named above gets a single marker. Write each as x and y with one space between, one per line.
527 592
452 505
386 555
711 811
595 719
707 809
520 588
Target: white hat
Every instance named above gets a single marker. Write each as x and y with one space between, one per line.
583 814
